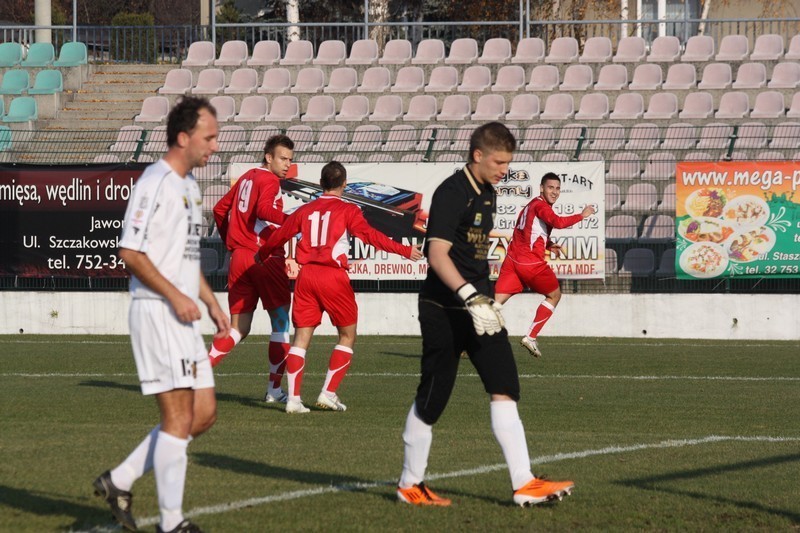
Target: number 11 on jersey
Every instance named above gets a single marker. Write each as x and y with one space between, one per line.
319 235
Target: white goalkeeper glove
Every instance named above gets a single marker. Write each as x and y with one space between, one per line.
485 312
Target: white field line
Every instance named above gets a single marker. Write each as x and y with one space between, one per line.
545 459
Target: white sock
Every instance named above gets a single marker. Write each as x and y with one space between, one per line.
139 462
417 437
510 434
169 463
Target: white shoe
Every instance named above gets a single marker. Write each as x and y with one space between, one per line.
278 396
332 404
532 346
296 407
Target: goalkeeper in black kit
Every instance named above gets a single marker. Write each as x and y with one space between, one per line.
457 313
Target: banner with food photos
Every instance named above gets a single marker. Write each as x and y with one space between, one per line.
737 219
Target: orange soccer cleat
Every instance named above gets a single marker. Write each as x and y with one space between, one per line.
419 494
542 490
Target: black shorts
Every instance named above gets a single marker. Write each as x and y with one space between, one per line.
446 332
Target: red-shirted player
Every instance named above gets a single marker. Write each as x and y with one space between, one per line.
326 225
246 216
525 264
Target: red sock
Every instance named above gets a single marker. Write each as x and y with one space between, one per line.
543 314
220 348
278 352
295 363
337 367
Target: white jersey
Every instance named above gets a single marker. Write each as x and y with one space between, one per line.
163 220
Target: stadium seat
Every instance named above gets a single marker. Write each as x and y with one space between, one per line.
232 54
396 52
300 52
388 108
523 107
332 139
554 156
768 104
200 54
680 136
716 76
310 80
363 52
538 138
714 135
613 198
768 47
593 106
793 53
243 81
794 108
523 158
258 138
667 204
624 166
412 158
563 50
330 52
225 106
786 135
666 267
303 137
178 81
569 137
785 75
265 54
39 55
628 106
664 49
401 138
638 262
660 166
510 78
429 52
450 158
646 77
644 136
608 136
72 54
366 139
102 158
128 139
310 158
699 49
209 261
252 109
770 155
641 197
543 78
680 76
354 108
489 107
455 107
463 51
320 108
156 140
621 229
409 80
733 104
342 80
209 81
596 50
10 54
529 50
657 229
421 108
154 109
611 261
476 78
15 82
495 51
697 105
750 76
283 108
380 158
276 81
442 80
438 138
699 156
577 78
751 135
347 158
631 49
662 106
611 78
212 195
376 80
733 48
558 107
231 139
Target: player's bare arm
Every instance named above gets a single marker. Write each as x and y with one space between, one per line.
216 313
440 261
138 264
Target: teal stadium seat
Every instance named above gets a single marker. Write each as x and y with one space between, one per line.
22 109
47 82
72 54
5 138
10 54
39 55
15 82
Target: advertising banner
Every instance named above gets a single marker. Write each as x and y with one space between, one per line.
737 219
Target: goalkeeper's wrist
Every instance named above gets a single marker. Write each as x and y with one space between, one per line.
466 291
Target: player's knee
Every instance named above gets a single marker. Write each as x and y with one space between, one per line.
279 319
203 421
429 412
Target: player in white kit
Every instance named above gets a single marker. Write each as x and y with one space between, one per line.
160 245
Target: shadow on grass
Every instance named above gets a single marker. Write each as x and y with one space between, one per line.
651 483
404 355
32 502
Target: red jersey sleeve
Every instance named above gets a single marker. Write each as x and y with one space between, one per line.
221 210
545 212
270 204
291 227
360 228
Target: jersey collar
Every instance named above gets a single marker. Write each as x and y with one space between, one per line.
472 181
